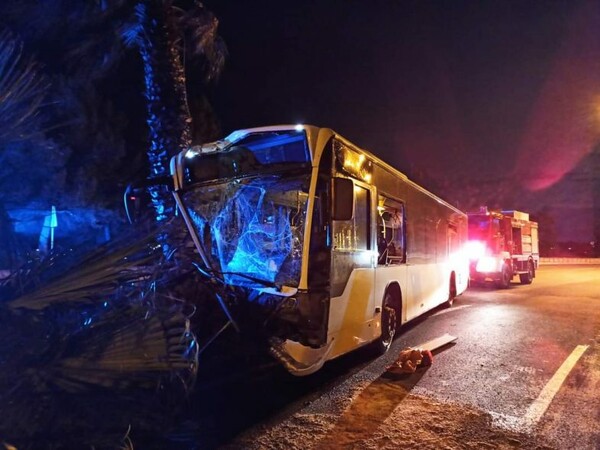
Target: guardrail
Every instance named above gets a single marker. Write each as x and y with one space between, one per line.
550 261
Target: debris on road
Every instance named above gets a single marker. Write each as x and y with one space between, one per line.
408 361
411 358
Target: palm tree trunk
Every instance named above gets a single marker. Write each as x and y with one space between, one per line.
168 119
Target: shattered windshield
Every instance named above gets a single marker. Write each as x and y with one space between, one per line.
254 154
252 229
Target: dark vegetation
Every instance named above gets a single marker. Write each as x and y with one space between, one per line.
83 102
102 335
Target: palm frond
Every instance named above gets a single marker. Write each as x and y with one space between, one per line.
72 278
103 333
127 349
202 39
132 32
22 91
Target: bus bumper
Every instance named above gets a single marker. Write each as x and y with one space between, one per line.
298 359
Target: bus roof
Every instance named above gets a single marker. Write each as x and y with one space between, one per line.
314 133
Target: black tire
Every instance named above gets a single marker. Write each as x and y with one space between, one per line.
505 277
451 292
389 323
527 278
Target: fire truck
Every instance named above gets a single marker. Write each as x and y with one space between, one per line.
502 244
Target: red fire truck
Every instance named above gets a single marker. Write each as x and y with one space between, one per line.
502 244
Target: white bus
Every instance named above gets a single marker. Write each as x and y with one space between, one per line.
335 248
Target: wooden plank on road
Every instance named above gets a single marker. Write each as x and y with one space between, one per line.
438 342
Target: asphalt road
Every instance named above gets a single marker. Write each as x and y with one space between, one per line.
527 357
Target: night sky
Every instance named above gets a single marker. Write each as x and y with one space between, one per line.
484 102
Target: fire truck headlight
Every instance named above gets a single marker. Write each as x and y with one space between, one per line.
486 264
475 249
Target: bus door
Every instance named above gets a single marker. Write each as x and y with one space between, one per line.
352 273
391 250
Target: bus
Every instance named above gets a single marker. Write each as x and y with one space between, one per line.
333 247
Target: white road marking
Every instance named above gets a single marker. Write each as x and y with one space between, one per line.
539 406
454 308
507 421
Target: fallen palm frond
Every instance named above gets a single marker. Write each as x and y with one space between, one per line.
71 278
105 315
98 331
87 385
125 348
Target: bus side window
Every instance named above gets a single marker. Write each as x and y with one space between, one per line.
353 234
391 232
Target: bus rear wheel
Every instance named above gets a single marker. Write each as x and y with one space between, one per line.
389 322
451 292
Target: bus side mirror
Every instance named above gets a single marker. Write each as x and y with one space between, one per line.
343 199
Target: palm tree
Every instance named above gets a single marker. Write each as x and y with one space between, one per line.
110 321
165 35
168 35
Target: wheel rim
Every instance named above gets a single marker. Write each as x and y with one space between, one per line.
390 326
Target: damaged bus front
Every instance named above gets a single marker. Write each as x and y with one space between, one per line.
245 201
